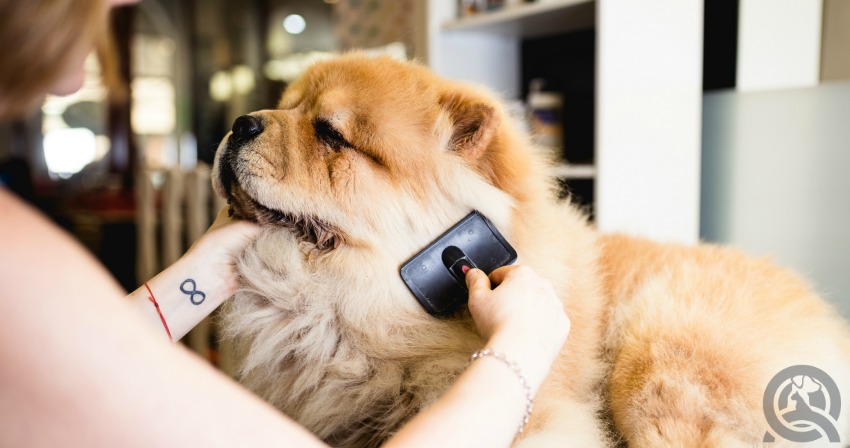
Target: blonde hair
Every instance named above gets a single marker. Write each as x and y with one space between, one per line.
40 42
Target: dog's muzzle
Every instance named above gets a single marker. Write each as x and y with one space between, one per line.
245 129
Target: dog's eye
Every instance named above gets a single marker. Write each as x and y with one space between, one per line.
326 133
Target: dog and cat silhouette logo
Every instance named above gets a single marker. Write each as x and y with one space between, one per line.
802 404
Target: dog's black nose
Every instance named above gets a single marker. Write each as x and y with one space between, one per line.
247 127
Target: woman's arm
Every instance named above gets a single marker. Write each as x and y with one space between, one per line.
80 368
521 318
196 284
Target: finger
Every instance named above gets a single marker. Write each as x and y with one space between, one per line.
223 218
498 276
477 282
246 229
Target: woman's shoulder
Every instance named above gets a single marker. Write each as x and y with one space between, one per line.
27 235
36 252
22 222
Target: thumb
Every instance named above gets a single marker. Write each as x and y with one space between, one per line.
477 282
227 237
245 228
222 219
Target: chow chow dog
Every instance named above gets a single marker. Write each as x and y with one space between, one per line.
367 160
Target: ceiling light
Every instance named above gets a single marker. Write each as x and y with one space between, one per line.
294 24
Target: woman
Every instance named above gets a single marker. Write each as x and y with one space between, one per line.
81 368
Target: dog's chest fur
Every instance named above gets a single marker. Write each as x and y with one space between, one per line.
341 352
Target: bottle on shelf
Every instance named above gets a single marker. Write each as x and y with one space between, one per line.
545 112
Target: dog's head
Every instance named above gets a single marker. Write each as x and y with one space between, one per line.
371 151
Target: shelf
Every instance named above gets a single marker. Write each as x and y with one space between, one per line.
565 171
531 19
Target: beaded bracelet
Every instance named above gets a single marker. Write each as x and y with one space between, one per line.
529 399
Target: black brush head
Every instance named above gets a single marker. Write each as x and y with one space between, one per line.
451 255
437 274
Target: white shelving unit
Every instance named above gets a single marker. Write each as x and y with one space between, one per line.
648 96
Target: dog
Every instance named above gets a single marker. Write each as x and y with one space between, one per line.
366 160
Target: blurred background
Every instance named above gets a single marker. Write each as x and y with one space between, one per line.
680 120
125 167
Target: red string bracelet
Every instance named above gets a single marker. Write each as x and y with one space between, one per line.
159 311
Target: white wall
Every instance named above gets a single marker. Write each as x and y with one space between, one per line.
496 62
778 44
484 58
776 179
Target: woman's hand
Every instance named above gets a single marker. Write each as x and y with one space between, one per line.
218 248
201 280
521 317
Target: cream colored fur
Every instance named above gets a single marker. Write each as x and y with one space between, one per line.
670 345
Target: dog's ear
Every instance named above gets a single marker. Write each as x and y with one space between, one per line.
474 123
